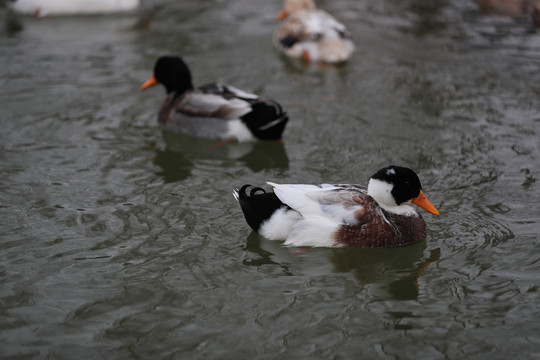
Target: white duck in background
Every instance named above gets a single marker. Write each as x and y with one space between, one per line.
312 34
71 7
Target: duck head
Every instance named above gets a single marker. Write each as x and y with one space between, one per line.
173 73
395 188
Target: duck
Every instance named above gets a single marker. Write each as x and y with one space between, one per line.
312 34
71 7
512 8
213 111
342 215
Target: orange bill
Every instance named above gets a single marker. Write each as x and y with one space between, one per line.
282 15
306 56
424 203
149 83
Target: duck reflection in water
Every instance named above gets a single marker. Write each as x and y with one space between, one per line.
175 166
183 150
390 273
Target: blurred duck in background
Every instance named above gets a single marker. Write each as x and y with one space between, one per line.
213 111
512 8
312 34
71 7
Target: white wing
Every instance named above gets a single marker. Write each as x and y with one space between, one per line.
323 209
241 93
210 105
326 200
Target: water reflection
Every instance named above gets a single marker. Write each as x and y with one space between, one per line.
389 273
386 273
262 255
266 155
429 17
13 23
182 150
299 66
175 166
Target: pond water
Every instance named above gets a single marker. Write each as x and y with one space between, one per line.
122 241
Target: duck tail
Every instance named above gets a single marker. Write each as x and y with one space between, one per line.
257 206
266 120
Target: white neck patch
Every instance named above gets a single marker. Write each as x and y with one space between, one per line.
382 193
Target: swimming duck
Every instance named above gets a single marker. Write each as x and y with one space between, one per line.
340 215
71 7
215 111
312 34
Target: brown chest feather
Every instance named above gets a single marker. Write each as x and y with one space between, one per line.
376 231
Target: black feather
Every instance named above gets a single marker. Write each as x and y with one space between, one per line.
288 41
257 206
267 120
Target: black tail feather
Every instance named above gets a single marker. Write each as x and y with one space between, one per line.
257 206
267 120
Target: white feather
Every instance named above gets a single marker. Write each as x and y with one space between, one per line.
294 195
237 129
317 222
279 226
313 230
241 93
200 103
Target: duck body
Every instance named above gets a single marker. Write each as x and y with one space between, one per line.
214 111
312 34
342 215
71 7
